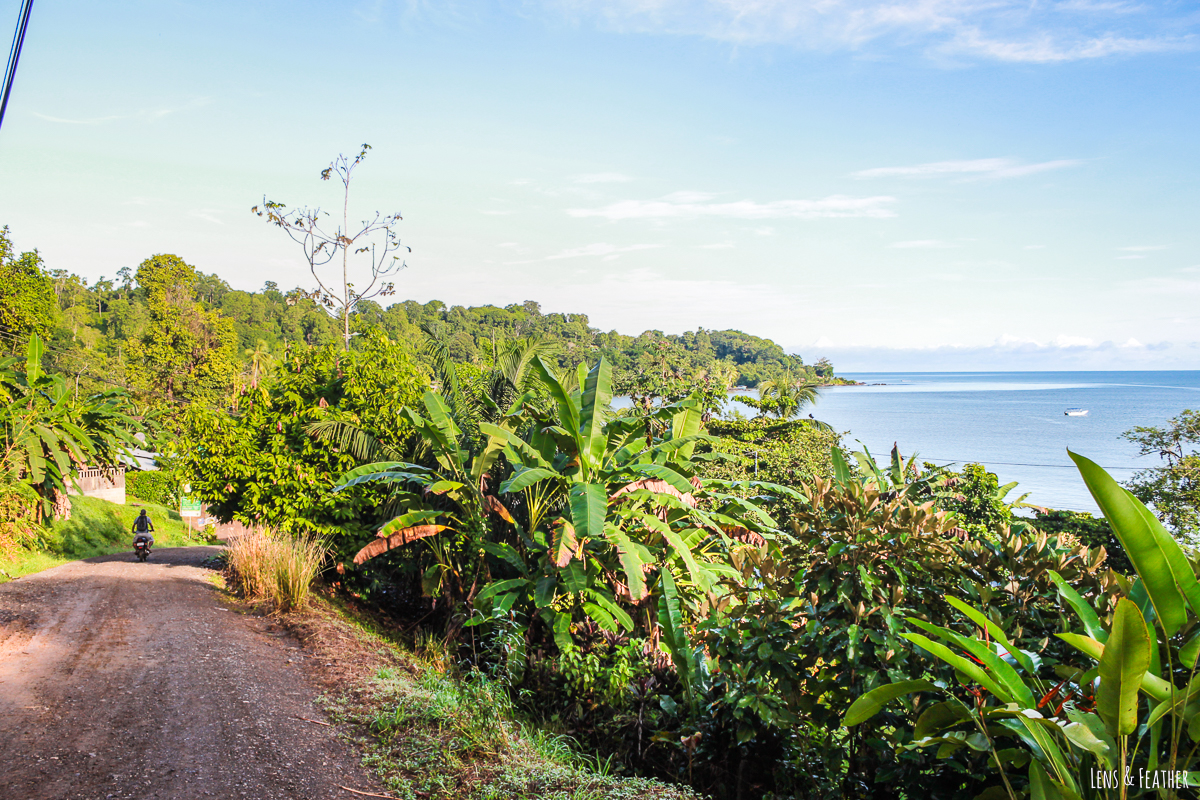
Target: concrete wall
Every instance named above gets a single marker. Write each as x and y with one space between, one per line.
107 484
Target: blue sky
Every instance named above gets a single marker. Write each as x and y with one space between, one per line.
942 184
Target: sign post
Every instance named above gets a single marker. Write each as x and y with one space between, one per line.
189 506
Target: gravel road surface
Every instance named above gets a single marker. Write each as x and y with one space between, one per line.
128 680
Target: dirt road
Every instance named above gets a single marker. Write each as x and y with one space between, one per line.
128 680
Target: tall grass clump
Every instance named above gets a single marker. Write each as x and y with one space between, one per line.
275 567
19 529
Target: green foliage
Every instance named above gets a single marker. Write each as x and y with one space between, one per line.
1089 530
788 453
184 351
27 301
262 466
154 486
1081 720
820 621
1173 490
47 432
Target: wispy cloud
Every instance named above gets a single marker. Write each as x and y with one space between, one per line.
716 246
693 205
1143 248
1003 30
609 251
208 215
143 115
603 177
993 168
922 244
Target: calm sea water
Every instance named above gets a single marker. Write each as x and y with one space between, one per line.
1013 422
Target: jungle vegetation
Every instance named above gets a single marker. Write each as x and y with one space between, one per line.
739 605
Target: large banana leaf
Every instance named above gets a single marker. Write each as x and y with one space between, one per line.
597 395
968 668
997 633
1087 614
1154 687
482 463
588 503
674 637
685 424
1156 556
632 561
525 477
677 481
1124 662
522 453
439 415
869 704
568 410
995 667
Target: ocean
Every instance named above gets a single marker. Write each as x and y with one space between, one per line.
1012 422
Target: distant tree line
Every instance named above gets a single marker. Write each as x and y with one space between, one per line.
170 333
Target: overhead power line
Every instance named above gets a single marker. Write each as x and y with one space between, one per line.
14 55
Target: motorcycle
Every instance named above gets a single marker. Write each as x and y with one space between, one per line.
141 547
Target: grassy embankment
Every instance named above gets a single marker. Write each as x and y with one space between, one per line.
425 727
97 527
430 731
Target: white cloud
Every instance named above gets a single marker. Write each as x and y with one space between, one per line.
922 244
692 205
143 115
716 246
208 215
1128 258
995 168
598 249
497 213
1004 30
1143 248
603 177
1048 49
1063 340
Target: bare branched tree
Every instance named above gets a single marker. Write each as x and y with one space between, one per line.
376 244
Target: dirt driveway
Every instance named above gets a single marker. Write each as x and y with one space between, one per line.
128 680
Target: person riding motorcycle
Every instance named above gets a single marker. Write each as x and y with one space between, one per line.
142 529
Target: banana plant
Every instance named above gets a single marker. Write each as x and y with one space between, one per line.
452 497
615 513
47 433
1133 706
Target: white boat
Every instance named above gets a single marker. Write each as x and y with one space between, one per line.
1076 412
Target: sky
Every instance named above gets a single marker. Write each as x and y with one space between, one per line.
903 185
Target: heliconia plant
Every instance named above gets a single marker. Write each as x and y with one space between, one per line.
1135 707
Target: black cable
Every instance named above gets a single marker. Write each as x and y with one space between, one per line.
14 55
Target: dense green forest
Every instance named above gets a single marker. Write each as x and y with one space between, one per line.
739 605
168 332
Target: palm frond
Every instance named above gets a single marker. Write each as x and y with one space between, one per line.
352 439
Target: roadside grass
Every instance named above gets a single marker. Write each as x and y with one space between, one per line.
430 733
275 568
96 528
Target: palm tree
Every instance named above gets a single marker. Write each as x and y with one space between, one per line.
260 362
786 395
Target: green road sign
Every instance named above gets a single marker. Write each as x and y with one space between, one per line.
189 506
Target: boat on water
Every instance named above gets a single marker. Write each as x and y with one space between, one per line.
1076 412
